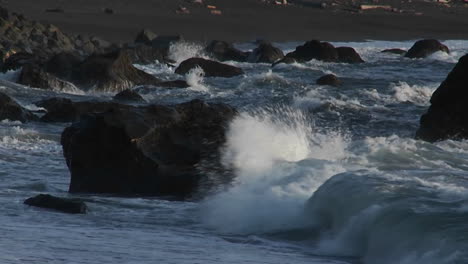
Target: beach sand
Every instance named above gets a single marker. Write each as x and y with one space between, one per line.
245 20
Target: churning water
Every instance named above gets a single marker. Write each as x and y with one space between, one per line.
324 174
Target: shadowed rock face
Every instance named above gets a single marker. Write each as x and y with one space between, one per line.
211 68
35 76
426 47
105 153
11 110
71 206
128 96
348 55
447 117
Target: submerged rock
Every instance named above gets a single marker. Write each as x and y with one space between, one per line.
224 51
71 206
266 53
426 47
128 96
395 51
11 110
329 79
210 68
447 117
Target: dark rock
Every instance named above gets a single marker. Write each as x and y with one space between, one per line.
58 110
394 51
63 64
315 49
348 55
11 110
144 54
128 96
108 11
145 37
111 72
211 68
71 206
174 84
224 51
287 60
447 117
105 156
329 79
266 53
426 47
18 60
34 76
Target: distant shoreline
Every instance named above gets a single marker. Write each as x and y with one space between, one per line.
248 20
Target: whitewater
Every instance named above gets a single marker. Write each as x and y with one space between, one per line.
323 174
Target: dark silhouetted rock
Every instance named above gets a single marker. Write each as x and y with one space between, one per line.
286 60
266 53
145 37
211 68
71 206
104 155
173 84
426 47
111 72
11 110
128 96
18 60
58 110
145 54
447 117
34 76
348 55
329 79
63 64
224 51
315 49
394 51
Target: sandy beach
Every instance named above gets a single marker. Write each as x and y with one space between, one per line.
253 19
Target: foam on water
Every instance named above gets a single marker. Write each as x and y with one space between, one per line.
194 79
181 50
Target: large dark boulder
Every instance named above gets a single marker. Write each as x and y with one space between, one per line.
58 109
329 79
11 110
145 54
266 53
63 64
35 76
111 72
315 49
324 51
211 68
223 51
71 206
104 155
425 47
348 55
394 51
447 117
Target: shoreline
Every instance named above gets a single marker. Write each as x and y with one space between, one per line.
249 20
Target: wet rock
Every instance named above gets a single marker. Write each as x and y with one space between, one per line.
266 53
35 76
144 54
329 79
71 206
16 60
426 47
394 51
104 155
447 117
111 72
324 51
11 110
174 84
315 49
211 68
224 51
348 55
145 37
286 60
58 110
63 64
128 96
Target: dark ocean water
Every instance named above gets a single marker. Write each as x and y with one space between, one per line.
324 174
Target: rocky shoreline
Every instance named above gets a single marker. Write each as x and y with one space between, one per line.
156 150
